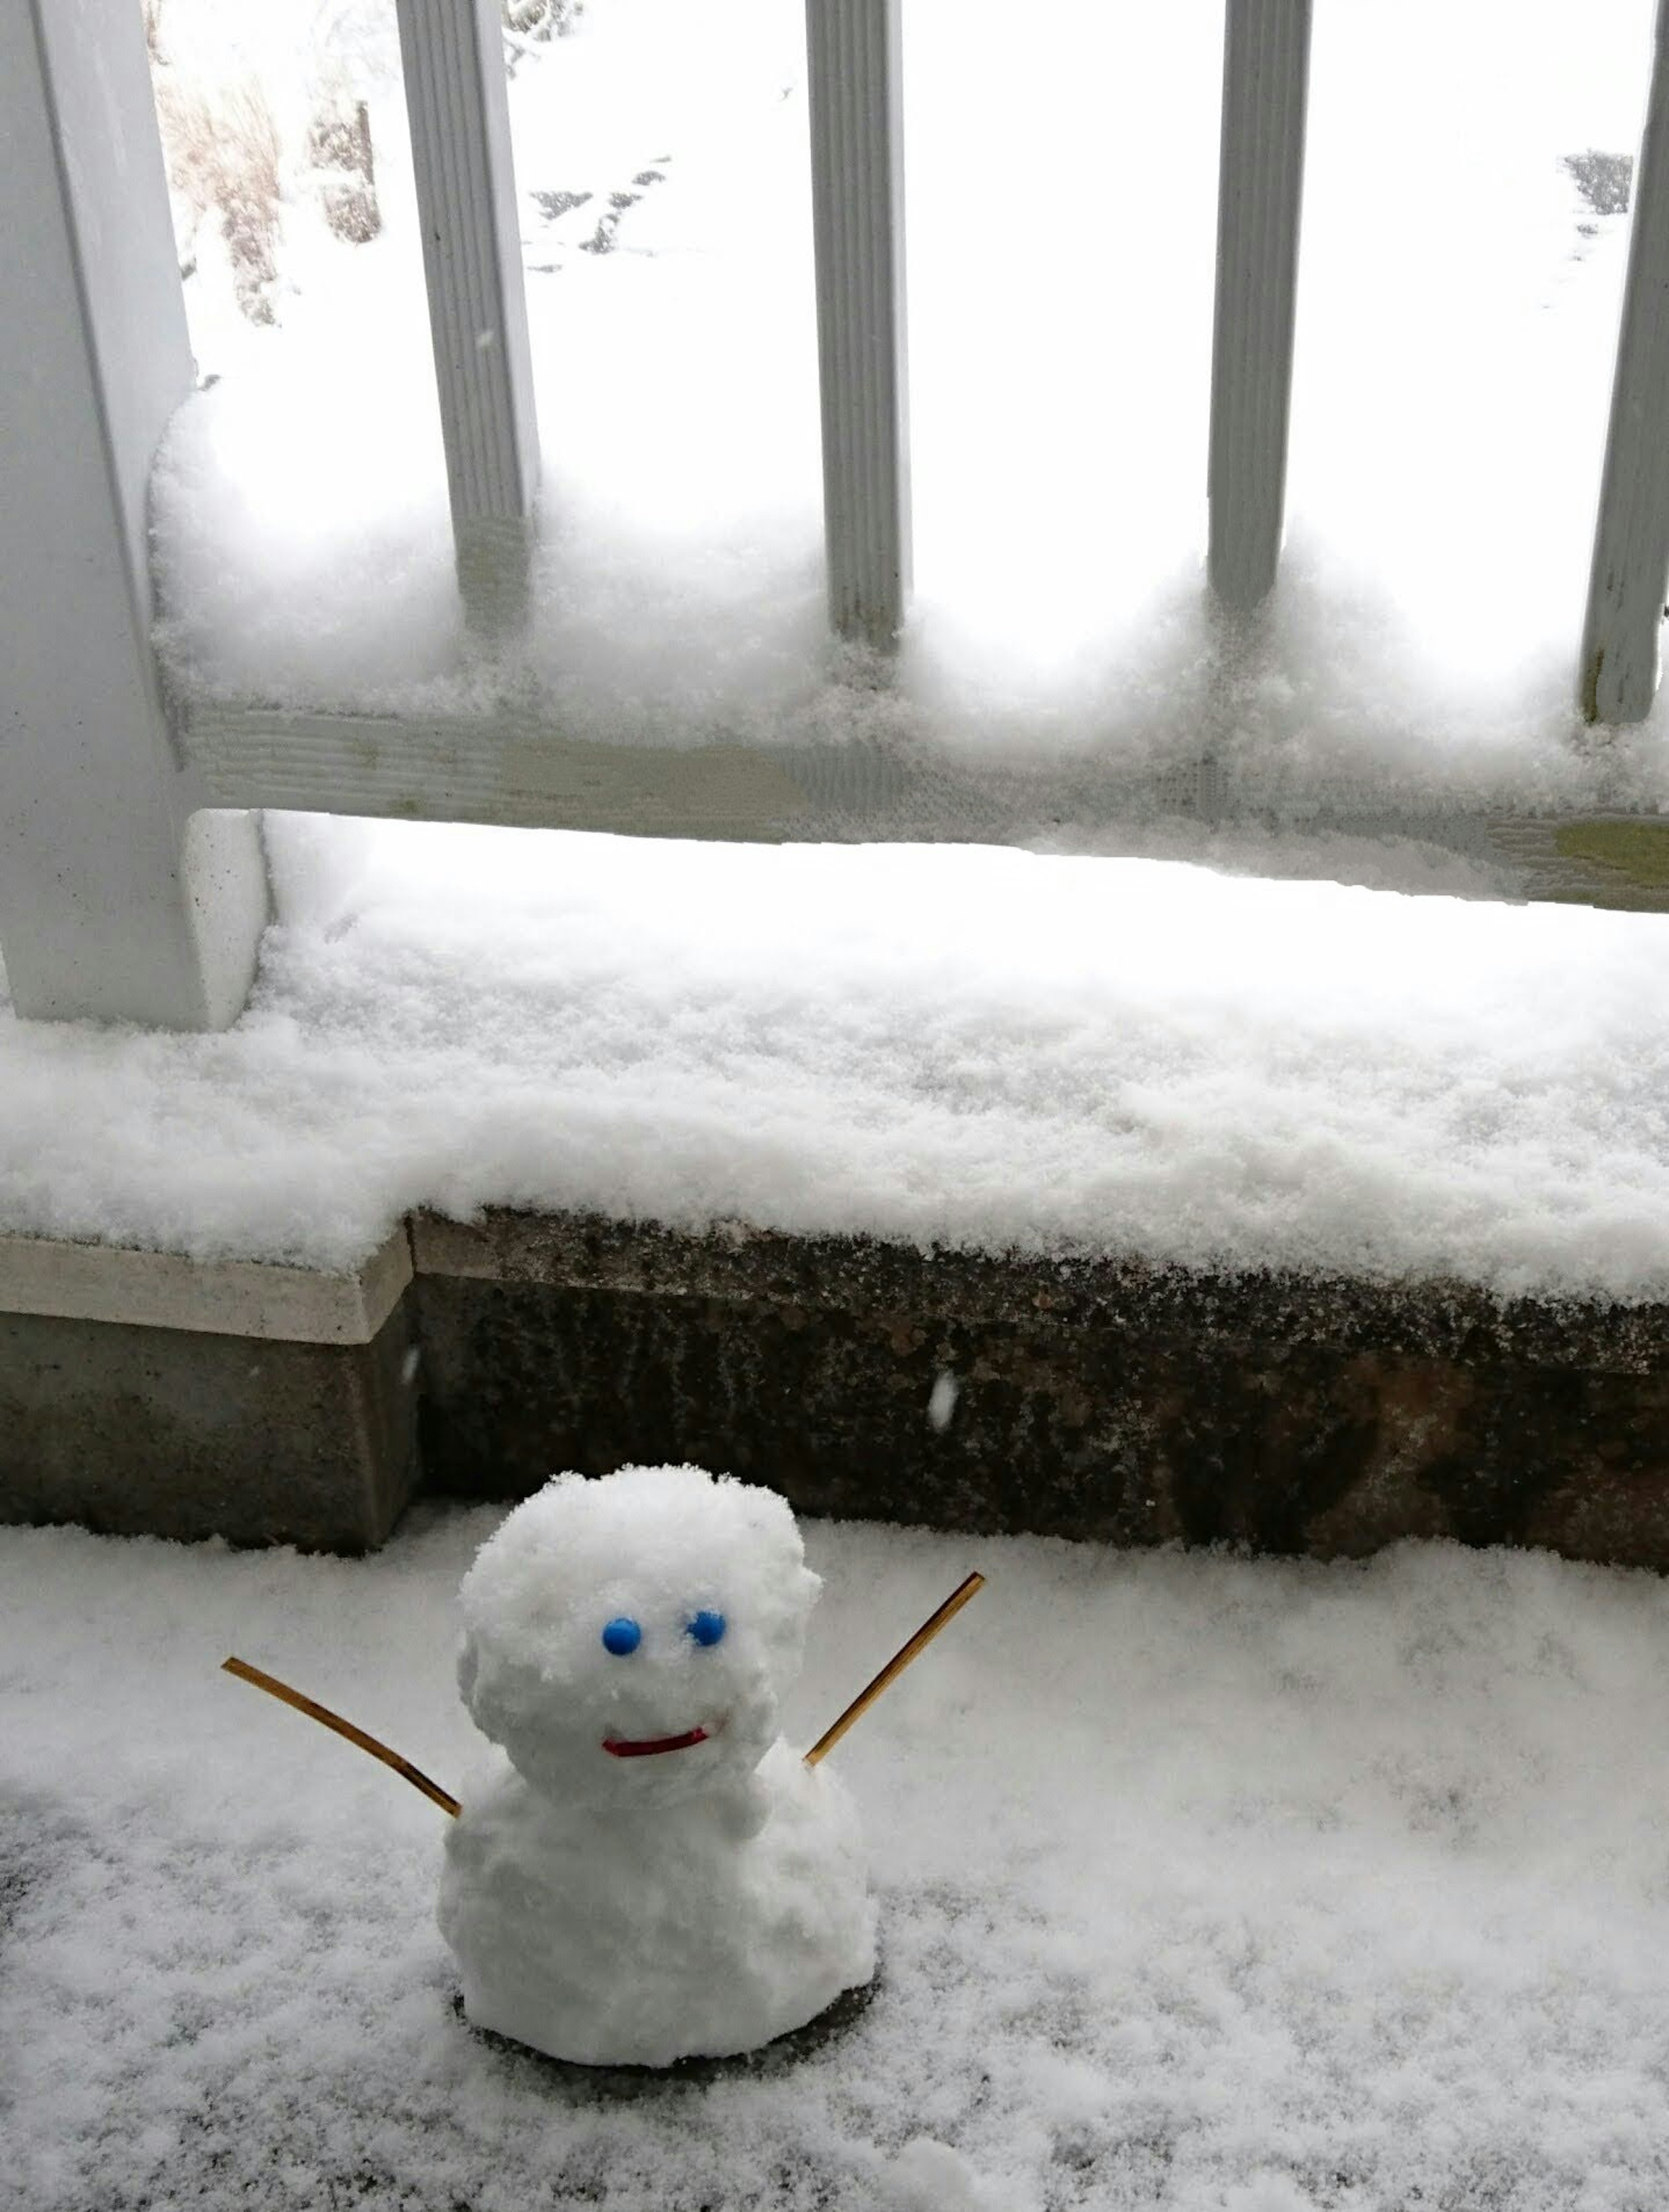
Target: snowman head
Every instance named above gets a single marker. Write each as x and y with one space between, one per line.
626 1639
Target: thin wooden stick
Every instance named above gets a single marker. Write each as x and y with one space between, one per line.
894 1667
327 1718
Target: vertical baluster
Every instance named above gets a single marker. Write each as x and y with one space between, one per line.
858 215
458 107
1265 73
1631 572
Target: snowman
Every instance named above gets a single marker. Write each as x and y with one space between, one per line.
649 1873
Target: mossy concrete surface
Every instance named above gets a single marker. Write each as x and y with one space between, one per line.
1133 1404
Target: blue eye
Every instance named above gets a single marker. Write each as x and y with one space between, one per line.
622 1637
707 1627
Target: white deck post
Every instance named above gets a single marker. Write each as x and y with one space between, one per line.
855 75
114 902
459 117
1265 76
1631 572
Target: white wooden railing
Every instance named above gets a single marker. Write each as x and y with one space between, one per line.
120 896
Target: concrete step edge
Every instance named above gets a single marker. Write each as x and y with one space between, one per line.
71 1280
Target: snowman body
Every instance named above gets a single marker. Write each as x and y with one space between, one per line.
649 1873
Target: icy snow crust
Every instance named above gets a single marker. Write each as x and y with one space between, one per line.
976 1047
633 1910
1206 1886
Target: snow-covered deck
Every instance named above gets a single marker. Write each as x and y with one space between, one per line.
1229 1887
976 1047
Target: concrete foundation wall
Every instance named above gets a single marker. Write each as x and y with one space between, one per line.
266 1405
164 1432
1129 1404
1124 1403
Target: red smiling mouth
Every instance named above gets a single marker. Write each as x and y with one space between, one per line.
623 1747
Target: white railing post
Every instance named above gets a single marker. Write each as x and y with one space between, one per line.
1265 74
854 76
459 117
1631 572
114 900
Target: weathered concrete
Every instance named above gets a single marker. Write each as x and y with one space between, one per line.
1103 1400
174 1432
1113 1401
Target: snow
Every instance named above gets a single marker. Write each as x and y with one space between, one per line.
1204 1883
941 1399
974 1047
1043 1050
660 1934
654 1546
1458 298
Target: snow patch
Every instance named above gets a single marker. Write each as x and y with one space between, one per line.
963 1046
1203 1882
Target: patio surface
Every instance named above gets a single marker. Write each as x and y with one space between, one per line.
1258 1886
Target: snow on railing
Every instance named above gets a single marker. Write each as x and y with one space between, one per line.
114 899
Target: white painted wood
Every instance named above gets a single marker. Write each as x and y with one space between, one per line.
1265 76
516 768
214 1297
1618 674
114 901
458 111
854 75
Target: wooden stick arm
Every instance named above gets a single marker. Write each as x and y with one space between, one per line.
894 1667
436 1795
327 1718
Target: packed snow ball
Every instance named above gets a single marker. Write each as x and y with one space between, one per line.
662 1549
653 1874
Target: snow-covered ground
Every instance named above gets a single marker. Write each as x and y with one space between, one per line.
1043 1050
1237 1887
971 1046
1209 1884
1459 290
